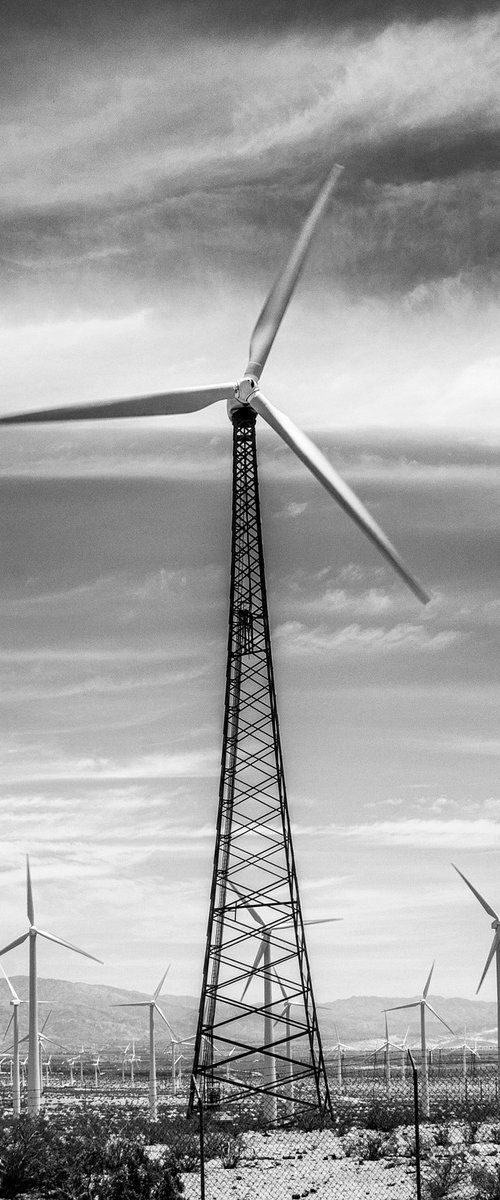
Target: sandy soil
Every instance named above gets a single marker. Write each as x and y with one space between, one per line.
289 1166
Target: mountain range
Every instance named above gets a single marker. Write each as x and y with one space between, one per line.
83 1014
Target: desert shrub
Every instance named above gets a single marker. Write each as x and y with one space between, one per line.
365 1144
486 1182
442 1134
442 1176
80 1157
388 1114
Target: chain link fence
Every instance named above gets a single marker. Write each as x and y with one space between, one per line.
390 1137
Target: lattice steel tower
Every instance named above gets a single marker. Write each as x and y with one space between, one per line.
257 1026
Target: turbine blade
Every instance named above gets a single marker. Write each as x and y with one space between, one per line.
167 1023
397 1007
256 916
133 1004
12 945
256 962
487 907
494 947
163 404
13 993
47 1019
162 981
313 458
276 304
443 1022
426 988
8 1026
31 910
323 921
280 985
51 937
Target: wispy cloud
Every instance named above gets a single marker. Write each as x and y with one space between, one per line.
429 834
376 639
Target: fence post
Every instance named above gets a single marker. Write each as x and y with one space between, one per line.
417 1124
202 1138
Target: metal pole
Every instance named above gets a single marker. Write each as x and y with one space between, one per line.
16 1089
34 1086
152 1065
497 958
417 1125
425 1078
202 1138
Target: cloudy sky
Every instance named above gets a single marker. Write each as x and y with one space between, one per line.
156 162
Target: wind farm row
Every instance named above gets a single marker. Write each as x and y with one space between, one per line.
33 1059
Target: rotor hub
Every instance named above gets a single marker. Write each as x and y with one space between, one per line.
243 391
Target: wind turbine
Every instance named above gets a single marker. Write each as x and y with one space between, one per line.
266 954
14 1021
339 1049
423 1004
494 953
34 1078
97 1069
153 1006
246 393
132 1060
387 1046
124 1059
250 660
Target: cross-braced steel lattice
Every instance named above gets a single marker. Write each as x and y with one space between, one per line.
257 1027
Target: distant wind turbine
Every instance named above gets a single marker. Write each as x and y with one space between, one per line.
339 1049
423 1004
34 1081
124 1059
494 953
265 955
14 1021
97 1069
387 1046
153 1006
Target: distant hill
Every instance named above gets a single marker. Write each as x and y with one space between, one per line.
85 1014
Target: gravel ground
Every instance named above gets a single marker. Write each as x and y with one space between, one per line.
289 1166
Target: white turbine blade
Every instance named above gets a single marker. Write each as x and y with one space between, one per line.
43 1038
133 1004
163 404
397 1007
13 993
323 921
51 937
280 985
29 890
435 1014
493 950
167 1023
487 907
427 985
276 304
256 916
258 956
8 1026
282 1015
12 945
47 1019
313 458
162 981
